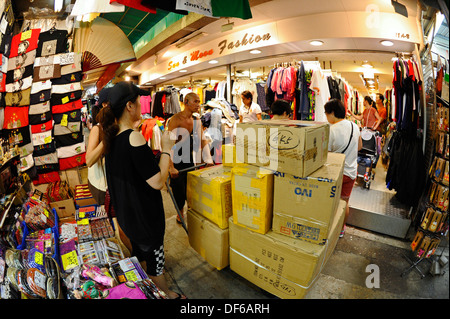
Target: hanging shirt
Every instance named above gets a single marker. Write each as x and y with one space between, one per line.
319 85
24 42
23 60
52 42
71 162
145 104
15 117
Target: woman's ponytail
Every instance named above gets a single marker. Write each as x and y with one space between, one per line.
110 128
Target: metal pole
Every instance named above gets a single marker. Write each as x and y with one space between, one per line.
229 83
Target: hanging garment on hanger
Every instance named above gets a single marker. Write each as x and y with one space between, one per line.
24 42
52 42
261 99
270 94
145 104
158 109
319 85
303 101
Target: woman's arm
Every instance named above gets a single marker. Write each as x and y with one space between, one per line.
95 148
357 117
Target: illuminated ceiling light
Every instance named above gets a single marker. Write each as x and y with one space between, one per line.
183 71
387 43
369 74
255 51
367 65
167 54
58 5
213 62
316 43
370 81
162 78
127 78
128 68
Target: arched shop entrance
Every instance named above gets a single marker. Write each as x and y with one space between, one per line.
350 45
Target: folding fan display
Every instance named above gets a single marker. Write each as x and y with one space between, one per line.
94 40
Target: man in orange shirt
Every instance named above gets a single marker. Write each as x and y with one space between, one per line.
381 123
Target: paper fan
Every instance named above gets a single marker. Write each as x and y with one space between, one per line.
102 42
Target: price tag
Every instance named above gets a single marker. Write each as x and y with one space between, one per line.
81 214
39 258
48 139
64 100
25 35
64 120
69 260
132 275
84 221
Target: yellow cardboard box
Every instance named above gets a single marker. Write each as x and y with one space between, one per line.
252 194
294 147
209 240
209 193
228 155
304 207
283 266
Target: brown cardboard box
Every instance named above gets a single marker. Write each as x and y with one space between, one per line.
252 195
83 196
304 208
210 241
64 208
294 147
209 193
281 265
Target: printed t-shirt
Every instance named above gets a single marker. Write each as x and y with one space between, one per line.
24 42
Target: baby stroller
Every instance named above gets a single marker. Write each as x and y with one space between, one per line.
367 156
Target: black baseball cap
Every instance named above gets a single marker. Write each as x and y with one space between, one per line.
103 96
123 92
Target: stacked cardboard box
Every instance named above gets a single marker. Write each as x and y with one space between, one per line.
252 195
304 207
287 212
294 147
282 265
209 200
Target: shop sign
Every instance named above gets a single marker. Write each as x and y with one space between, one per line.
237 42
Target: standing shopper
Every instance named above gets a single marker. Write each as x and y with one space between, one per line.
345 139
94 152
249 111
381 124
190 142
95 161
135 180
370 117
